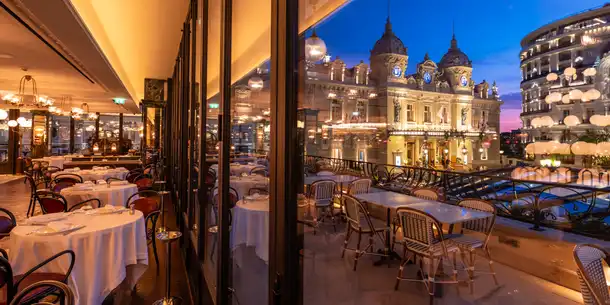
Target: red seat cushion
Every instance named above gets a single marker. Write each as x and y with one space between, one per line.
144 183
6 224
52 205
145 205
34 278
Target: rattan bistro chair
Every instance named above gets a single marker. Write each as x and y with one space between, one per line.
359 222
420 240
427 194
593 286
321 195
469 244
359 186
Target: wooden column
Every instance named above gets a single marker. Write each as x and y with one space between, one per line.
13 142
157 128
97 128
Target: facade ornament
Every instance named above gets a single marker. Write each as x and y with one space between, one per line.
464 115
494 91
397 109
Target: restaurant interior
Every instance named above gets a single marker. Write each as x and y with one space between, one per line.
154 152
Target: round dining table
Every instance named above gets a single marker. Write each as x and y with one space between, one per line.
250 226
56 161
96 174
243 184
238 169
110 250
115 193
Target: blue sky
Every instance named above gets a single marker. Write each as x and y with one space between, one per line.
489 32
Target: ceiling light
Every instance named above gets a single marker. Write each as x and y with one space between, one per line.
6 56
12 123
3 114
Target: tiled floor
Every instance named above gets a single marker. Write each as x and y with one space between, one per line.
329 279
14 196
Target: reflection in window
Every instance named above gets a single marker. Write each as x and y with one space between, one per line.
59 131
132 131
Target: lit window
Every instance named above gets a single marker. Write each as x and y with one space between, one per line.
336 110
427 115
410 113
484 154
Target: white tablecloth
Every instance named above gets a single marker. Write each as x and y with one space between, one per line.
115 195
104 249
94 175
238 169
243 184
53 161
250 227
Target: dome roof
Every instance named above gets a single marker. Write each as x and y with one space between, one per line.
389 43
455 57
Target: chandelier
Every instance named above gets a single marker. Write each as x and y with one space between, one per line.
21 98
83 112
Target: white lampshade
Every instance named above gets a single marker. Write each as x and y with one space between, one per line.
571 120
552 77
547 121
593 94
565 99
585 98
256 83
535 122
580 148
599 120
3 114
12 123
569 71
603 149
530 148
556 96
548 99
27 124
21 120
589 72
575 94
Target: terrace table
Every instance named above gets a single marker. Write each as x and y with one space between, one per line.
444 213
56 161
116 193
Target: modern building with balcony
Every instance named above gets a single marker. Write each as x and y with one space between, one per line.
566 57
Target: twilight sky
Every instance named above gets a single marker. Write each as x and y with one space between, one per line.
489 32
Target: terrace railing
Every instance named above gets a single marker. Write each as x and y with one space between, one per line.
578 208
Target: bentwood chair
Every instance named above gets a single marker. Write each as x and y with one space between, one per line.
359 221
468 244
34 187
89 202
74 178
256 190
147 202
233 199
590 261
261 171
51 202
7 223
427 193
16 284
321 195
66 296
420 240
144 182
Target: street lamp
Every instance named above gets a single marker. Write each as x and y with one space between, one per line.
315 48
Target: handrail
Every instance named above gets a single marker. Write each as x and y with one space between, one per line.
569 207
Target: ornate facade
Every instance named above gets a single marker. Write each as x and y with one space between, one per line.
382 114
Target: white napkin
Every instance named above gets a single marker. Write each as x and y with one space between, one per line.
76 168
82 187
109 207
69 170
257 197
119 182
101 182
88 182
59 226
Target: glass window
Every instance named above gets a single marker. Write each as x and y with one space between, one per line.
336 110
132 132
59 131
427 115
84 135
410 113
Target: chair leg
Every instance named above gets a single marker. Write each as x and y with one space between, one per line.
154 242
357 250
347 236
405 260
491 267
455 273
469 270
29 207
430 278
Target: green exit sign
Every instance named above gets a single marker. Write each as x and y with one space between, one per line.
213 106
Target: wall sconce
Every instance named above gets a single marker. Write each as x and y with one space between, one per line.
96 148
113 147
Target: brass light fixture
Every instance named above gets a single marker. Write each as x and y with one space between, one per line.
21 98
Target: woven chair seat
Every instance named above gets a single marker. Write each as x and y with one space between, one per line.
320 203
467 242
434 250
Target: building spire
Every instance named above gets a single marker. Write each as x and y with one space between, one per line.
388 24
453 40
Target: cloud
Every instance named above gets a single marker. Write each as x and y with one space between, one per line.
509 119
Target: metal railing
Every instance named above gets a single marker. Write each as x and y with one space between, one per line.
577 208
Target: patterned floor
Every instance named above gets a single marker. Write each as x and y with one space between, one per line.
14 196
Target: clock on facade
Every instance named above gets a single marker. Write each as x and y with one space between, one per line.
463 81
396 71
427 77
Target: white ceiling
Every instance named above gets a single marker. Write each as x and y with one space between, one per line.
54 76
